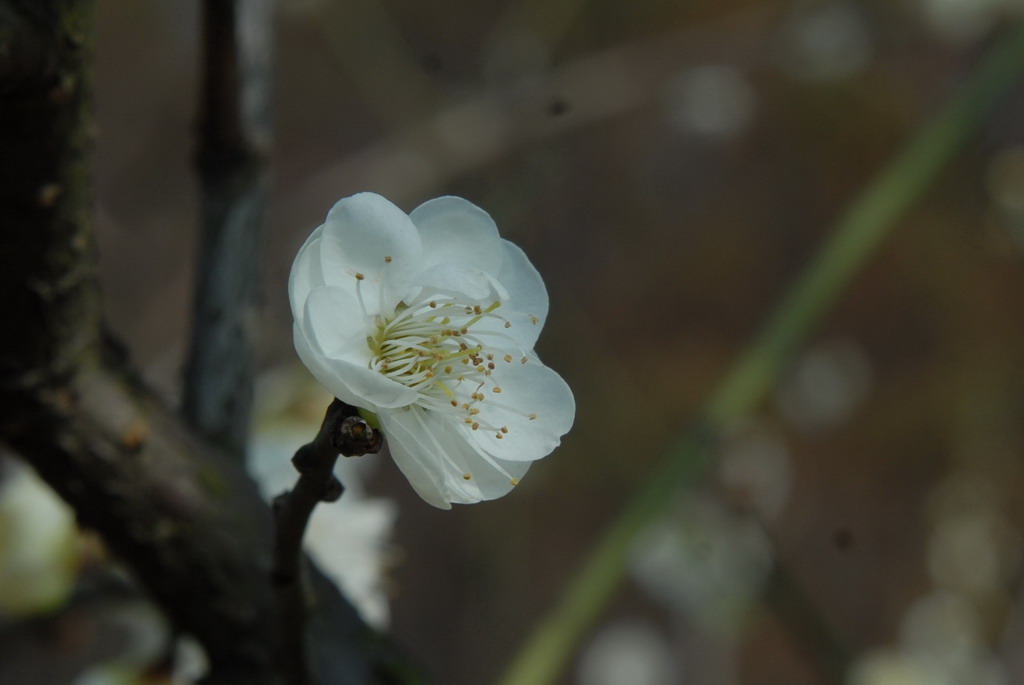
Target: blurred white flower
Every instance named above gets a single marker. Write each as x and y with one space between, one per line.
713 100
38 551
962 21
705 562
826 41
825 386
629 652
428 321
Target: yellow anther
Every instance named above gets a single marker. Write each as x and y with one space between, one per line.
533 416
514 481
455 403
359 276
496 388
508 324
387 260
433 304
524 360
504 429
533 319
475 425
508 358
499 436
466 476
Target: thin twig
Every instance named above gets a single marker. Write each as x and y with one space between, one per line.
234 137
342 432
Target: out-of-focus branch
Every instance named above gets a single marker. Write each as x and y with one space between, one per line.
181 513
234 136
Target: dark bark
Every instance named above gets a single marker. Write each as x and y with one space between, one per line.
344 432
166 503
47 268
180 512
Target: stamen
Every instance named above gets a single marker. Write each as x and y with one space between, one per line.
444 358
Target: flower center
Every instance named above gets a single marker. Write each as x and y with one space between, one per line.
439 348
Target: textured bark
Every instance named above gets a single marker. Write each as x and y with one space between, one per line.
47 270
166 503
176 509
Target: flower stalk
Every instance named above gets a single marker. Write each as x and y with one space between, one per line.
343 432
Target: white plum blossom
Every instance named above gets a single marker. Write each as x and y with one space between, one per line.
428 320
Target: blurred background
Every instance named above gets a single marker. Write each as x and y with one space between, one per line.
668 167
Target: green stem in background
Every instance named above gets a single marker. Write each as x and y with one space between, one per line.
859 230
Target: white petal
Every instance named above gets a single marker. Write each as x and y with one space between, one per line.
414 456
441 465
489 478
367 234
322 371
306 273
465 283
527 305
336 325
526 389
455 231
349 382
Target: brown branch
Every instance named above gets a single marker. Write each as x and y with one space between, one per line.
234 137
46 243
344 432
181 513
